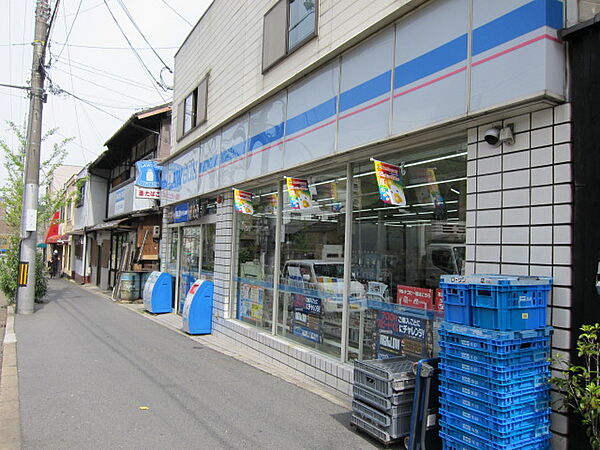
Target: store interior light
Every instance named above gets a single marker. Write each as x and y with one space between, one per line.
456 191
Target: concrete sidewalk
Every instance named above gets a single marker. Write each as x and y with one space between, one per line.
10 424
87 364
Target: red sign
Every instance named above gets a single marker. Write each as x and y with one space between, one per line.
141 192
414 297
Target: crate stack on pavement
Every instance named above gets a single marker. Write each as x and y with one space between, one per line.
494 361
383 397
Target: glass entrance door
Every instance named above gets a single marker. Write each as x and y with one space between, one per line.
197 258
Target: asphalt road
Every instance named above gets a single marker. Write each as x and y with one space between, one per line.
87 365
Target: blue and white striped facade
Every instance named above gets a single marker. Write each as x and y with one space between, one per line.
419 72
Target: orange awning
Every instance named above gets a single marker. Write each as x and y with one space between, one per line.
52 236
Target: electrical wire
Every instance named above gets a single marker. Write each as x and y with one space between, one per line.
52 19
135 52
180 16
70 29
96 47
99 72
101 86
124 8
97 5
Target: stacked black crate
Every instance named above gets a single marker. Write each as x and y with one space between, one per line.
383 397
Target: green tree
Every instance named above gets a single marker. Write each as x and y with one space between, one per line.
11 198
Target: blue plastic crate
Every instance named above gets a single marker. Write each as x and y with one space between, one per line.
499 342
514 385
457 303
500 373
495 398
526 356
453 442
536 428
509 319
515 422
538 405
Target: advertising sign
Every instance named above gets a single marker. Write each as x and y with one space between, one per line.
120 201
141 192
414 297
180 213
251 302
299 193
148 174
389 180
243 202
399 334
433 188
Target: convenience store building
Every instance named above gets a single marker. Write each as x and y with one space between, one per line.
315 90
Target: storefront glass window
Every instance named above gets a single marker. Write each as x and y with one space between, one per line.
190 262
399 252
256 259
208 252
312 267
172 245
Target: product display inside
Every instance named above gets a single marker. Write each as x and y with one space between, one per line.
408 228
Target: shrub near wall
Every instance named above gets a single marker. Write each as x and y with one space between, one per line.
9 272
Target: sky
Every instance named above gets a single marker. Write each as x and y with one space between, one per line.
90 58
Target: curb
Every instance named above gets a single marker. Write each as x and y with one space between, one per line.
10 418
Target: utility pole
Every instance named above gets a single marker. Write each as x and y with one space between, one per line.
26 292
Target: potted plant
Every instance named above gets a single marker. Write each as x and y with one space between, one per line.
580 385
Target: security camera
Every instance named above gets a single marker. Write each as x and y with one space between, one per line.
492 136
496 136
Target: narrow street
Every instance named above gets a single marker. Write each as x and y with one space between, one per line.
87 365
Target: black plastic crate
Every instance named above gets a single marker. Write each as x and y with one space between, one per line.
381 402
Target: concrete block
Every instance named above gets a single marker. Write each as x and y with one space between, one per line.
541 176
562 133
563 193
541 157
516 161
562 173
562 153
561 296
541 195
489 217
471 152
471 168
472 135
561 339
562 113
489 183
540 271
520 123
518 254
487 268
515 197
562 275
487 165
488 236
489 200
561 317
541 137
522 142
516 179
514 269
541 254
562 254
515 235
470 236
488 253
543 118
563 214
541 235
515 216
541 215
562 234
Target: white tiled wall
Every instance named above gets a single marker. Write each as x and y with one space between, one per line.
519 213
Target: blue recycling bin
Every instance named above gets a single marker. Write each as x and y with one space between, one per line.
158 293
197 309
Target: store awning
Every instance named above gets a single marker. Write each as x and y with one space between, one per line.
107 225
52 234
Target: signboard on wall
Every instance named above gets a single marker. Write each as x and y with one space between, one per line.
414 297
399 333
148 174
180 213
141 192
120 201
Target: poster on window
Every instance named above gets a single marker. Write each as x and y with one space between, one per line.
433 188
414 297
389 181
242 202
299 193
400 334
306 319
251 302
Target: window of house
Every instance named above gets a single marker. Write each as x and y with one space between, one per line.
287 25
80 195
192 110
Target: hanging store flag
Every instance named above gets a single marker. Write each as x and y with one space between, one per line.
299 193
389 180
243 202
433 188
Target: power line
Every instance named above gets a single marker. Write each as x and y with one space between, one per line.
70 29
96 47
124 8
100 86
99 72
180 16
134 51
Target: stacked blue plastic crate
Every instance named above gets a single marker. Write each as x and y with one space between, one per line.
494 351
